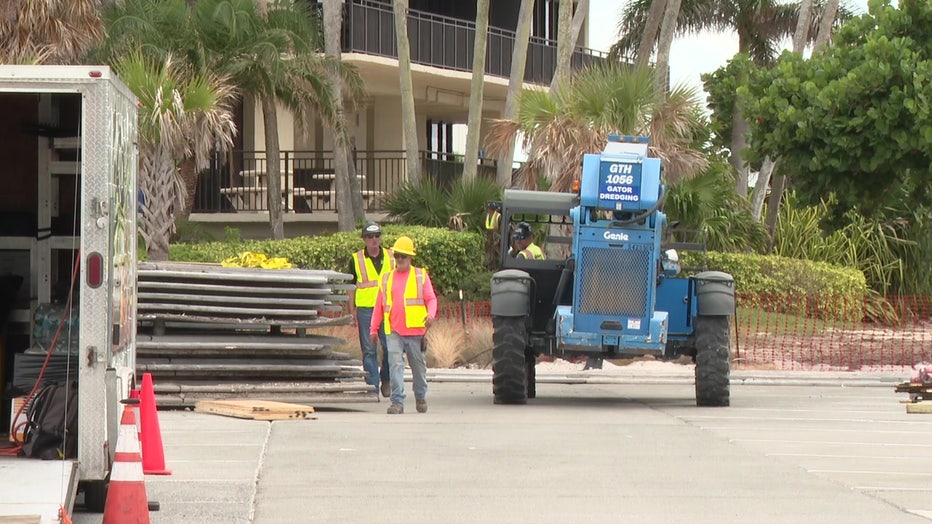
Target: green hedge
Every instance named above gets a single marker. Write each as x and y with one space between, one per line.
790 285
451 257
454 260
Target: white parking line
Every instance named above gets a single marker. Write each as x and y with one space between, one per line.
867 472
803 419
834 443
911 458
796 428
889 488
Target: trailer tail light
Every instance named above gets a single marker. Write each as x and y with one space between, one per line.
95 270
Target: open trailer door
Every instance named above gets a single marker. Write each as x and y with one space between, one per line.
68 212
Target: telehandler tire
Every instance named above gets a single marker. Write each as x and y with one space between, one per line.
713 360
509 374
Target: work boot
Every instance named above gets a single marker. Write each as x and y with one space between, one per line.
396 409
421 405
386 389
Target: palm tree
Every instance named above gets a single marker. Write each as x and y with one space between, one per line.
576 118
825 26
650 32
409 123
474 123
162 31
273 56
567 35
48 32
515 81
349 199
667 29
174 105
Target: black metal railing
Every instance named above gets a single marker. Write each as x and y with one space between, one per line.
448 43
237 182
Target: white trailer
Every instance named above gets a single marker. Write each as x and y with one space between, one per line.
68 203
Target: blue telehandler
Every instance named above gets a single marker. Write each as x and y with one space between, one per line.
605 284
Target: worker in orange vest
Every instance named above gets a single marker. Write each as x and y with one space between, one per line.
406 306
367 267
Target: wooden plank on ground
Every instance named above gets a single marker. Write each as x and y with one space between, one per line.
20 519
256 409
920 407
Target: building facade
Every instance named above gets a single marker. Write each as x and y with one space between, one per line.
441 35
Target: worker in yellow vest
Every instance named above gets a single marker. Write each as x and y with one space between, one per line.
406 306
367 267
524 246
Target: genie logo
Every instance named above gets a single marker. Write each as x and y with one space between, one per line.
608 235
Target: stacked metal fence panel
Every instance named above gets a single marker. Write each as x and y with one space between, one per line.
212 332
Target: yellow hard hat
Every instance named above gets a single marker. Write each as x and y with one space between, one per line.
405 246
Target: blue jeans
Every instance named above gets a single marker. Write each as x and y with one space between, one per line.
370 357
398 346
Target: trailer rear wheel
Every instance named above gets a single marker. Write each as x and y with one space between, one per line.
95 495
713 362
509 374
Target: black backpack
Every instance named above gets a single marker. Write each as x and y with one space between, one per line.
48 435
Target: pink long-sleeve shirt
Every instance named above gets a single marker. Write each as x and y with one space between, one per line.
397 315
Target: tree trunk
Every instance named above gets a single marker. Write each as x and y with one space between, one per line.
667 32
156 178
474 126
773 208
739 131
515 81
649 37
582 11
273 167
825 26
408 117
760 188
801 36
564 45
333 21
359 207
189 175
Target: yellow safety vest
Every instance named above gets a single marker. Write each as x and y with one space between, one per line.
492 219
532 252
415 305
367 277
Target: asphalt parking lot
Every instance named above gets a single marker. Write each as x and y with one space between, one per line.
603 451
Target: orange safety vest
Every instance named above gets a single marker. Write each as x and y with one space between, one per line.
415 305
367 277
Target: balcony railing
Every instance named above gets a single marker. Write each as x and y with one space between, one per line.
448 43
238 181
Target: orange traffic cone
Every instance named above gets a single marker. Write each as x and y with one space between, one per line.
134 393
153 456
127 502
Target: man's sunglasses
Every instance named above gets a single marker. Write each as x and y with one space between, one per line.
372 236
400 256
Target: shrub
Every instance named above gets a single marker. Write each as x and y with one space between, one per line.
787 284
451 257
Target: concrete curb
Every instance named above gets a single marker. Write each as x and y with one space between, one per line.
686 376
